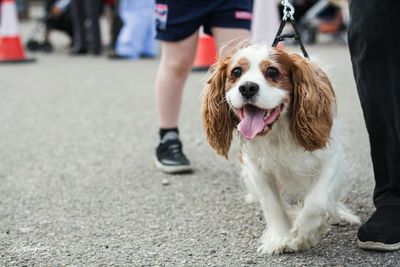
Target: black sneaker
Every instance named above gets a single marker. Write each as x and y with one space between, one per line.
170 158
382 231
46 47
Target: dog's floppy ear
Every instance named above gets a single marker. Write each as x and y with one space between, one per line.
313 105
218 122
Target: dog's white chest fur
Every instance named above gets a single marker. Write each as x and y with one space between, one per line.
293 168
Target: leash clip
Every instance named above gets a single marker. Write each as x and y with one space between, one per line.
288 11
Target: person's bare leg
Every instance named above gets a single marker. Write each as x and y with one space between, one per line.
228 39
176 61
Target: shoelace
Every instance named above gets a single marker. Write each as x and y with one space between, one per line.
175 150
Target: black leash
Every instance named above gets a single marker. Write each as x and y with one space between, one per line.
288 11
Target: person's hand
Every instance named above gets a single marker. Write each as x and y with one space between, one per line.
55 11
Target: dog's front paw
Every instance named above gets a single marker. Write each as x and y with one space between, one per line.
307 230
273 244
302 241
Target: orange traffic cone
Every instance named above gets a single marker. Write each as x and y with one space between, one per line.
206 53
11 49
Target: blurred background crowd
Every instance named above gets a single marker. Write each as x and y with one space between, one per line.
131 24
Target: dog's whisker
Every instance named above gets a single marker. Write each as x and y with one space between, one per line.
223 100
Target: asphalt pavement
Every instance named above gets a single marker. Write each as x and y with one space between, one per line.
78 186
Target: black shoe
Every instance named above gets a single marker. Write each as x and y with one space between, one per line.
115 56
170 158
78 51
147 56
382 231
95 51
33 45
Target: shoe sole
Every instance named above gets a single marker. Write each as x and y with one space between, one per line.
379 246
172 169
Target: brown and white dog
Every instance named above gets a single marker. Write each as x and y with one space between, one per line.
283 107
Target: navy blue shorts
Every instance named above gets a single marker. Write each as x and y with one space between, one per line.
179 19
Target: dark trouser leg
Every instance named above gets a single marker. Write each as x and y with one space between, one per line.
375 52
78 23
92 14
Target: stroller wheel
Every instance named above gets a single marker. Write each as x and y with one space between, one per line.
342 38
32 45
47 47
342 35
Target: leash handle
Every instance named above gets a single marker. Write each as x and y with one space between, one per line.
288 11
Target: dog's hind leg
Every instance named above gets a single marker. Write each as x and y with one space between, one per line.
338 213
342 215
253 195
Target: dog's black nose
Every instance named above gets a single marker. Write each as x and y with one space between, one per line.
249 89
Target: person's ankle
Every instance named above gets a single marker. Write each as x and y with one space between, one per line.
168 134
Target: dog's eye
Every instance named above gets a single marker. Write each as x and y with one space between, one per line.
272 72
237 72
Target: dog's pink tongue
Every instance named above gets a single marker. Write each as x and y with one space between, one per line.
252 123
